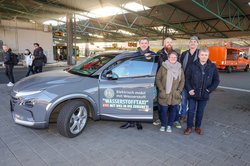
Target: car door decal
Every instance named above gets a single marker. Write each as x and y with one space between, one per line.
126 99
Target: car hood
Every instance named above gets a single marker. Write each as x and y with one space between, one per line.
45 80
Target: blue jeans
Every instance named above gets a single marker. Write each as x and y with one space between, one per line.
177 113
195 107
30 69
171 110
184 103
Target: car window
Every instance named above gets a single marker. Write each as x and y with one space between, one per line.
91 65
134 67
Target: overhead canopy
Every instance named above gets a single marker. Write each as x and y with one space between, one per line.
123 20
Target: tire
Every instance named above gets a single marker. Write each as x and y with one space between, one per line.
229 69
247 68
72 119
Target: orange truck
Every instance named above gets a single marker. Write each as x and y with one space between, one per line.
229 59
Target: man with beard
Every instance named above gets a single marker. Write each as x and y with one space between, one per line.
187 58
143 49
165 51
163 56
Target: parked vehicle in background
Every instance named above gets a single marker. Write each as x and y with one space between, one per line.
229 59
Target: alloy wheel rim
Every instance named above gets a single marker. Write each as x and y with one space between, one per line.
78 120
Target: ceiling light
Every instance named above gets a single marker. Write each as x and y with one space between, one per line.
124 32
107 11
52 22
135 6
171 30
158 28
95 35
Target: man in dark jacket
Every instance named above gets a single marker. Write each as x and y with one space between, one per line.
202 78
186 59
38 58
143 49
8 63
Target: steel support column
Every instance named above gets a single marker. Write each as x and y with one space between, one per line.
69 24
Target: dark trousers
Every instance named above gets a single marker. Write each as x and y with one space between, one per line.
30 69
9 72
177 113
38 69
184 103
195 107
170 112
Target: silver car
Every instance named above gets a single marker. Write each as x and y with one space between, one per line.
114 86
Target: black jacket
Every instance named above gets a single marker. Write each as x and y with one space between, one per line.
7 57
140 52
163 56
203 82
38 57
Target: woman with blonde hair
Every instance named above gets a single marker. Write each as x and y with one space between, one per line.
170 82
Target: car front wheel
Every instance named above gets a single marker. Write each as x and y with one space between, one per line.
72 119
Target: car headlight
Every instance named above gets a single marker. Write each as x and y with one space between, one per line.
21 94
28 103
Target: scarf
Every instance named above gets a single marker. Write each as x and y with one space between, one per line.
174 72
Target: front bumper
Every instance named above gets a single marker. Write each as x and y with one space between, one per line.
25 117
29 123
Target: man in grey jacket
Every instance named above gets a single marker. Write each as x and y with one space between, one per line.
187 58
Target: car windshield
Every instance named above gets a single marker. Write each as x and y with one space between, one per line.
91 65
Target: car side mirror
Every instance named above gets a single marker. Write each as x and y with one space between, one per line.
111 76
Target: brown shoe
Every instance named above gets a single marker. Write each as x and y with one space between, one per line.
187 131
198 130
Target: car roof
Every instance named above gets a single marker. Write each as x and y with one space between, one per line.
122 54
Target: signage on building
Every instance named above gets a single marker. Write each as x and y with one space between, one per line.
58 34
132 44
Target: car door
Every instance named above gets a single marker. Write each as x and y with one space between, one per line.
127 89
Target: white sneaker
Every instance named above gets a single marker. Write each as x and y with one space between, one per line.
10 84
177 125
169 129
157 122
162 128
